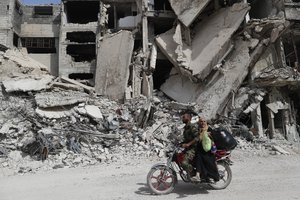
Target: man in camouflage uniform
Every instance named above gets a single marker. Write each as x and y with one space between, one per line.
189 134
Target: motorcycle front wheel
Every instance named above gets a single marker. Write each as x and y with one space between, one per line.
225 176
161 180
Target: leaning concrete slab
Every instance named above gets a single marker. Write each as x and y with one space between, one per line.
22 58
210 44
213 95
188 10
180 88
114 56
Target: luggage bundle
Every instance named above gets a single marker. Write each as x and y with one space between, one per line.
223 139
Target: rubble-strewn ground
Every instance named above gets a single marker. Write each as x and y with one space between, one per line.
254 177
89 130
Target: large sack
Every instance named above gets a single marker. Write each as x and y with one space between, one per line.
223 139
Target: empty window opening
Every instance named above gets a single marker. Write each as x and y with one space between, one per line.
278 119
81 76
162 5
137 44
264 114
111 18
162 26
118 11
260 9
39 45
82 12
82 53
295 99
81 37
161 73
16 40
43 10
291 50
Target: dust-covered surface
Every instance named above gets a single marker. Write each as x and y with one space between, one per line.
254 177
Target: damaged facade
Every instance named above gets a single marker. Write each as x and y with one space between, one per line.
237 60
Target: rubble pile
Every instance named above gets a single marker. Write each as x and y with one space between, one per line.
66 128
95 130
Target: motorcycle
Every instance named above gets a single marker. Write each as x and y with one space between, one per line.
162 177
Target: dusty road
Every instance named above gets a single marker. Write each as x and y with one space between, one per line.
274 177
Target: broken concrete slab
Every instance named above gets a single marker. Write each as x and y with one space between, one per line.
67 86
93 111
85 87
278 77
22 58
277 105
292 13
60 98
280 150
211 42
188 10
214 96
113 64
27 83
54 113
180 88
211 96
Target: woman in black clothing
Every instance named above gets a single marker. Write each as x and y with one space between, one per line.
205 160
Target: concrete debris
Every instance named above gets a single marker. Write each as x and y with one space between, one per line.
278 77
211 41
3 152
85 87
54 113
280 150
27 83
113 66
22 58
188 10
93 111
60 98
15 63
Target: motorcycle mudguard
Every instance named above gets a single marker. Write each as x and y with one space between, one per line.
158 165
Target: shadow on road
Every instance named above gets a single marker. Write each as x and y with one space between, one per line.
181 189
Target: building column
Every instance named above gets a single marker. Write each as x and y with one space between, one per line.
257 121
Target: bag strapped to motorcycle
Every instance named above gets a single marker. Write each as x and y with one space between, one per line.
223 139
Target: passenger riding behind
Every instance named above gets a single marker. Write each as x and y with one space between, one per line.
205 160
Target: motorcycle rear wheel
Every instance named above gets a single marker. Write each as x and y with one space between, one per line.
161 180
225 176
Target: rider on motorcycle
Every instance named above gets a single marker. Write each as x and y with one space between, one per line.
189 134
205 159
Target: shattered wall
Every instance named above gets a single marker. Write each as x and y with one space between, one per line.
114 57
77 45
10 17
39 22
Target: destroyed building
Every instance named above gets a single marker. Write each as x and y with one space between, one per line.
236 59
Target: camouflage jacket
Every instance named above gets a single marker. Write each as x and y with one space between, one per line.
190 132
